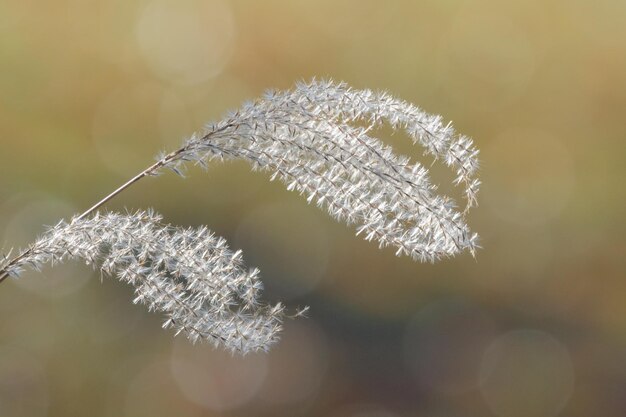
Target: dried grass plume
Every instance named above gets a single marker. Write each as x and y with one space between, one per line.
318 140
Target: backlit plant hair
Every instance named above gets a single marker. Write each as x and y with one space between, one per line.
317 139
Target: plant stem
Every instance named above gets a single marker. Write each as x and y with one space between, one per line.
146 172
128 183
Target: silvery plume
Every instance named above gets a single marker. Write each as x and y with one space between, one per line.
318 140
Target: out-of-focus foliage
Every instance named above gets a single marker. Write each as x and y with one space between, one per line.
535 326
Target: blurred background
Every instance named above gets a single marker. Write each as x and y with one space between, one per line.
535 326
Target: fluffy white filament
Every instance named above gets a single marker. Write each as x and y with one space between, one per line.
317 139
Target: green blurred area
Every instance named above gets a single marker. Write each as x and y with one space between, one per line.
91 91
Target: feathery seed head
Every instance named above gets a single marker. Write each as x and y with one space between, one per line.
317 139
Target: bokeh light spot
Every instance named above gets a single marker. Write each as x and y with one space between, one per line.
526 373
186 41
215 379
152 393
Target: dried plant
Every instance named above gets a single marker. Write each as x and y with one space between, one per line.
316 138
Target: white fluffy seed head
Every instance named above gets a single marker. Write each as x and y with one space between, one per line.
189 274
317 139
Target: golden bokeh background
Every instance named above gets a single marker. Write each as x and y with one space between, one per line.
535 326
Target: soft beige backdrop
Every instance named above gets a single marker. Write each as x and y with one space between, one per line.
535 326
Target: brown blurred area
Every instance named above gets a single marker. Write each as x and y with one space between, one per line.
535 326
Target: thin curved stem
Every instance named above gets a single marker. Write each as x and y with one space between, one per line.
127 184
146 172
